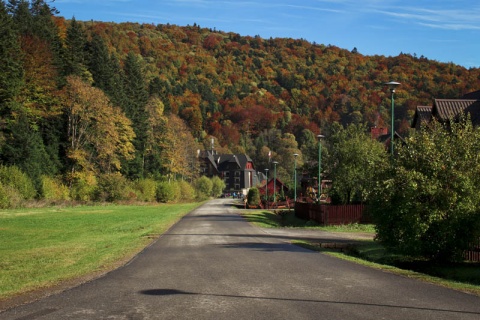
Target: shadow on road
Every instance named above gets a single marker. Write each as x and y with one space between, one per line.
285 237
170 292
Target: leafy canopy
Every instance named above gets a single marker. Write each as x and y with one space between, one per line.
428 203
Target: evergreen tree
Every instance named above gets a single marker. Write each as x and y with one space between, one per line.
11 73
75 51
136 98
26 150
100 65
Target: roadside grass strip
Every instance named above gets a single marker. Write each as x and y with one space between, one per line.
40 248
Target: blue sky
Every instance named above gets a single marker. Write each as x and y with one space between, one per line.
442 30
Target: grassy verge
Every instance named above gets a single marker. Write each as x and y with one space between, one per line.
459 276
39 248
287 219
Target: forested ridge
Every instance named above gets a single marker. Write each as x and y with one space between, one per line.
82 99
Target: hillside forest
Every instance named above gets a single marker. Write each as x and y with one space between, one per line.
82 99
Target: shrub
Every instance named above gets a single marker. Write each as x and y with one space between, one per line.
218 185
53 190
146 190
113 187
187 192
203 188
14 178
253 197
83 185
168 191
9 197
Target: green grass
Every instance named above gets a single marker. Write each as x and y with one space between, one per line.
287 219
40 248
459 276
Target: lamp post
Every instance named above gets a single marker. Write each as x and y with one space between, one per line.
392 85
266 189
275 181
295 155
320 137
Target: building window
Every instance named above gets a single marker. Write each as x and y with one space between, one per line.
237 173
237 187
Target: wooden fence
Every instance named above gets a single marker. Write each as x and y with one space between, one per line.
474 253
344 214
327 214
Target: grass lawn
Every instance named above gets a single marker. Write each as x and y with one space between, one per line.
40 248
459 276
287 219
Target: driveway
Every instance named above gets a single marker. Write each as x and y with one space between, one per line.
214 265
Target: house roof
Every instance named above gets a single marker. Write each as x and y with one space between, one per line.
423 114
225 162
278 185
472 95
447 109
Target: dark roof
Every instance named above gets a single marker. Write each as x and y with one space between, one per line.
447 109
423 114
472 95
225 162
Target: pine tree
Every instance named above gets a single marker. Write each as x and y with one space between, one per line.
136 98
100 64
76 42
11 72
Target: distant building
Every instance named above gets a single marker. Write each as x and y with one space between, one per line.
445 110
236 170
273 184
472 95
377 132
423 115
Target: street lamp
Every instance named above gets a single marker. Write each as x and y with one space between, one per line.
392 85
320 137
266 189
295 155
275 181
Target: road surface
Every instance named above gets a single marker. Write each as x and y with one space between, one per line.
214 265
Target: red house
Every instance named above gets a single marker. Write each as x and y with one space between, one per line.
279 185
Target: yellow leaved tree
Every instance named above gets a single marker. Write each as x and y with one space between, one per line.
99 134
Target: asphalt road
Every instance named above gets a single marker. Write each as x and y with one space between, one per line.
214 265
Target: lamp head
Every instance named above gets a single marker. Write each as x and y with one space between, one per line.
320 136
392 85
295 155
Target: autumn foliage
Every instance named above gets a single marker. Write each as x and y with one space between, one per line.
83 99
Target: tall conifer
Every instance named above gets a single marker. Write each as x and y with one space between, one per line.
136 98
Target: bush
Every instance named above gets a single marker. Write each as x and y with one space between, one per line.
83 185
168 191
427 204
187 192
10 198
14 178
253 197
114 187
203 188
146 190
218 185
53 190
